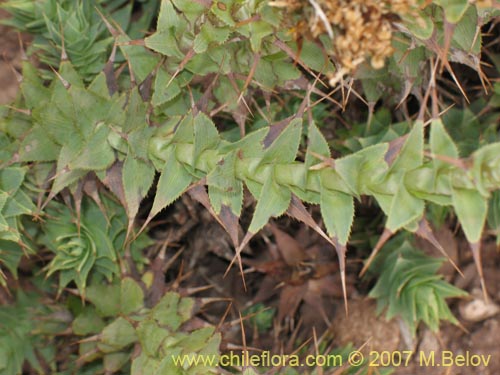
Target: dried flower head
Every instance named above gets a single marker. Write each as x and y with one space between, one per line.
359 29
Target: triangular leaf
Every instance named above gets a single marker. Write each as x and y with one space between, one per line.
405 208
137 178
284 148
174 180
273 201
337 210
471 208
206 135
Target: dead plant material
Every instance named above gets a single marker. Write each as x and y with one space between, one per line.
359 29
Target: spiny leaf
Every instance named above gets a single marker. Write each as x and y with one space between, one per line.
137 178
405 207
424 230
231 198
471 208
440 141
206 135
96 153
441 144
337 210
284 148
476 254
453 9
273 201
410 156
317 145
174 180
360 169
225 217
298 211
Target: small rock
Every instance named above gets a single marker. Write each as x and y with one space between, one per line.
478 310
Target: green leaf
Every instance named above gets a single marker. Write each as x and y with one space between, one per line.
117 335
10 254
408 286
132 296
317 144
34 92
361 169
441 144
466 34
209 34
113 362
38 147
411 154
184 132
440 141
193 9
405 207
486 168
421 26
311 53
198 339
109 306
11 179
206 136
168 17
273 201
284 148
224 187
137 178
142 61
471 209
163 92
96 154
337 210
151 336
453 9
223 12
174 180
87 322
164 40
494 214
172 311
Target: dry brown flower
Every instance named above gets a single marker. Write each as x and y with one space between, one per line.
359 29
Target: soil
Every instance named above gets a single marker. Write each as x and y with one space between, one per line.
321 307
477 333
10 57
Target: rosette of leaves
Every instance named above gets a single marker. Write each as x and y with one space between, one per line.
119 324
91 243
408 286
73 29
